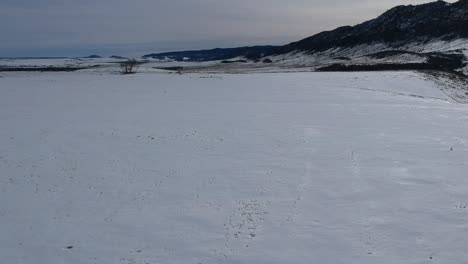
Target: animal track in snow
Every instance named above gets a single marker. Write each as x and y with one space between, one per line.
243 224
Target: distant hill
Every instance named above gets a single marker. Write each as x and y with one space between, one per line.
118 57
252 53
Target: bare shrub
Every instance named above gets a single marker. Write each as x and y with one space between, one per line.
129 66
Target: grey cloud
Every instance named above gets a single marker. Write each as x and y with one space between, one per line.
54 27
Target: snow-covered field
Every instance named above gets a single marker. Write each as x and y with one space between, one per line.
252 168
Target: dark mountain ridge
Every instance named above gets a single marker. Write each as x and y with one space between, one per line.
396 27
253 53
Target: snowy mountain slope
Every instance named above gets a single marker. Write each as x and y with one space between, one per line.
432 35
428 36
259 168
396 27
379 53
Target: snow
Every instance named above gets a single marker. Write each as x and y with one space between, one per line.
359 54
465 69
57 62
250 168
440 46
296 61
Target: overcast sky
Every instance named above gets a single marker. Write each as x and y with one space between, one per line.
136 27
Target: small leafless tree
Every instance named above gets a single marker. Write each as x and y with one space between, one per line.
129 66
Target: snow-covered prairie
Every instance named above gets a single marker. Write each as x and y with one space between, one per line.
252 168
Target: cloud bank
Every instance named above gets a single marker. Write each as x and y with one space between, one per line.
73 28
